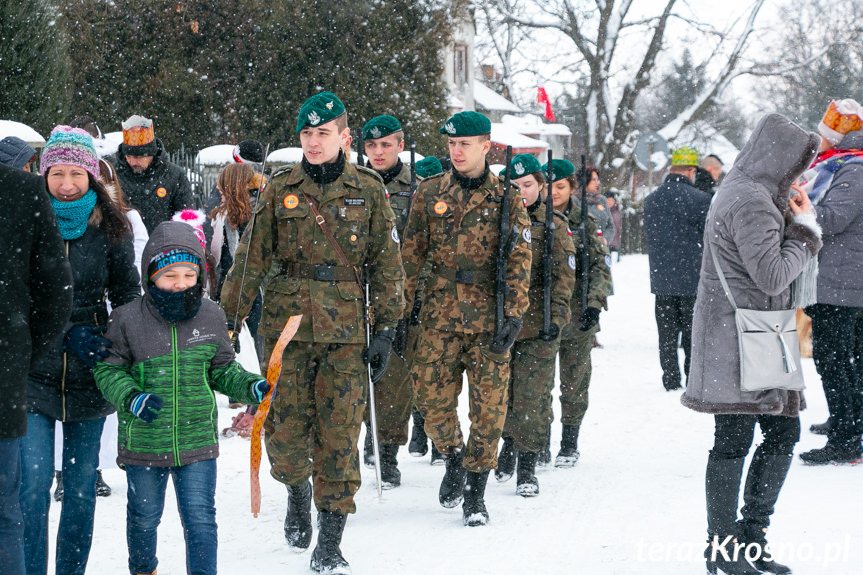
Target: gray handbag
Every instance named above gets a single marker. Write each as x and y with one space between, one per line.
769 346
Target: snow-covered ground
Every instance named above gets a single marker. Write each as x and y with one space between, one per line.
634 504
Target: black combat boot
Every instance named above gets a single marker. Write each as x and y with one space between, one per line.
568 455
474 512
452 486
391 477
369 449
419 444
821 428
298 522
526 482
764 481
506 460
102 488
833 453
327 557
58 489
437 458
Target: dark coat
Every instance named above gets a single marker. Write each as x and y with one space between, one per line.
760 253
840 213
35 289
674 225
158 192
61 385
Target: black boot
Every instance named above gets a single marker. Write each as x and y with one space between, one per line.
568 455
419 444
764 481
726 554
833 453
298 522
391 477
452 486
526 482
722 491
369 449
437 458
473 511
327 557
58 489
506 460
821 428
102 488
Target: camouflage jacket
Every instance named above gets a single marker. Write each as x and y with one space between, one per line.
457 232
399 194
302 271
564 264
599 273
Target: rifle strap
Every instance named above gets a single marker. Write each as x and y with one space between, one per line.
319 219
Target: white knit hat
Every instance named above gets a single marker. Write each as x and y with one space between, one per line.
841 117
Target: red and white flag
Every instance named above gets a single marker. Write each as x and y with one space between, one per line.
542 98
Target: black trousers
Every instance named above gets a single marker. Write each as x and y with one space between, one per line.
673 317
836 349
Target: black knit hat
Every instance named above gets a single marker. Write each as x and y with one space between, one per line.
249 152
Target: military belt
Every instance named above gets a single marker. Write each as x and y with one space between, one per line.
463 276
318 272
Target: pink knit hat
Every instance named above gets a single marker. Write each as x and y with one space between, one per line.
73 146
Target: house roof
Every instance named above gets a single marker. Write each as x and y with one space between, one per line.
487 99
23 131
503 135
532 125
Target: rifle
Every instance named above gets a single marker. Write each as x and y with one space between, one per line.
585 240
546 252
360 149
506 243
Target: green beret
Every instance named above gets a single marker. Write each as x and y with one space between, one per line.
319 109
559 169
428 166
522 165
381 126
466 124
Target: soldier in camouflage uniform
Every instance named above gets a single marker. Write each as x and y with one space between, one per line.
454 225
313 426
383 139
576 341
532 366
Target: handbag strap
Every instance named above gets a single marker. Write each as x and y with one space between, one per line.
722 277
319 219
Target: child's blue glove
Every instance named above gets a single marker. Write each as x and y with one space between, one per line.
87 343
145 406
260 389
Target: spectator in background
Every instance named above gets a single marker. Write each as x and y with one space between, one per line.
16 153
708 173
674 226
154 186
249 152
611 197
37 299
596 204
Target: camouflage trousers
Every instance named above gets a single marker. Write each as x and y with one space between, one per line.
314 422
440 361
575 370
530 385
394 397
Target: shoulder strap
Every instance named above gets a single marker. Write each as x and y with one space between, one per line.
722 277
319 219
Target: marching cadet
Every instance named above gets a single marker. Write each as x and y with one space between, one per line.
531 381
319 227
454 225
576 341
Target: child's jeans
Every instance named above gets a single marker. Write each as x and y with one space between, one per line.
195 485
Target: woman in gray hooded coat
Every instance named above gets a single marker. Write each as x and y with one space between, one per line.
762 240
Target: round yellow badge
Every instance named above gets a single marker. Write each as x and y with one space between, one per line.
291 201
353 238
440 208
161 192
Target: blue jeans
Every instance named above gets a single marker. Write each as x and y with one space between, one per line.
195 486
80 458
11 521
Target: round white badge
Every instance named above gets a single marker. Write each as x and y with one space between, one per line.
571 261
526 235
395 235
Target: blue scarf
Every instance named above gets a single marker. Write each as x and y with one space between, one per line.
72 216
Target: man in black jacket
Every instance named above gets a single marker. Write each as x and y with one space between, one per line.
154 186
36 291
674 216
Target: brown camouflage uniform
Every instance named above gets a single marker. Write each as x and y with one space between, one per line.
532 365
575 345
456 230
321 397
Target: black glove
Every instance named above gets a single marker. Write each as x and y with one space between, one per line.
401 338
589 318
145 406
551 334
378 354
86 343
507 335
234 336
